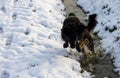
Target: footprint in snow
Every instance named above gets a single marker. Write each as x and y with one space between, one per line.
27 31
31 1
5 74
8 42
3 9
15 1
1 30
14 16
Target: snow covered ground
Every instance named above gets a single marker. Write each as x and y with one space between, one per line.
30 42
108 27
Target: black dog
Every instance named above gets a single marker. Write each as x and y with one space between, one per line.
73 28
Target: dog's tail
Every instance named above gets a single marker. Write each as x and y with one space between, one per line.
92 22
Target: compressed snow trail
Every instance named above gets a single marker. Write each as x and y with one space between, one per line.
105 68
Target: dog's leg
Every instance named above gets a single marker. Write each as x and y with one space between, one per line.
65 45
72 44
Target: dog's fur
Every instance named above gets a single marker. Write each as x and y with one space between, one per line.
91 22
86 45
75 33
86 39
72 28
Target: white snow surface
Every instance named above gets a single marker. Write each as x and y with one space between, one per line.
108 27
30 41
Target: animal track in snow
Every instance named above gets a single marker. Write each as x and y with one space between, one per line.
3 9
14 16
15 1
5 74
1 29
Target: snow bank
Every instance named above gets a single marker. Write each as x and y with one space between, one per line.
108 27
30 42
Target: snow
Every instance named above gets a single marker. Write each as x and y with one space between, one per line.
30 41
108 27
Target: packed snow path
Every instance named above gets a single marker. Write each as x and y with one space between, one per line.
103 69
71 6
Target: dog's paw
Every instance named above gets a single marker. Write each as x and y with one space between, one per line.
65 45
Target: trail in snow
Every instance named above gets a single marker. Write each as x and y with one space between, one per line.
71 6
105 67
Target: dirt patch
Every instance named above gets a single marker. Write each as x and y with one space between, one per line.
104 68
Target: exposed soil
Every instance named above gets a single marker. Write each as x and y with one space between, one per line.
104 68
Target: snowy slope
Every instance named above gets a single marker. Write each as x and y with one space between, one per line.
30 42
108 26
